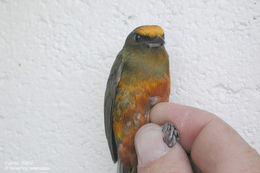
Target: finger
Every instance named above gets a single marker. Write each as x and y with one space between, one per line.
214 145
189 121
155 156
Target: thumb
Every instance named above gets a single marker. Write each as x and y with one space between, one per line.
154 155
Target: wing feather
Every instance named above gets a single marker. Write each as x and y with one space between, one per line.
110 95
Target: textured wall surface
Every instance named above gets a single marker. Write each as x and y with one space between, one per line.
55 57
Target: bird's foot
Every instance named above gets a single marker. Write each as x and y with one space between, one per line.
170 134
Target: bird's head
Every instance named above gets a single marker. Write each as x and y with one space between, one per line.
148 36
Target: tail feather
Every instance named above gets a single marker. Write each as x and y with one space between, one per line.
120 167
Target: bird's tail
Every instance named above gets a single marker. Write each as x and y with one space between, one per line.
121 169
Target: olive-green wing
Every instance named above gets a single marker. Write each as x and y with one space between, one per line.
110 95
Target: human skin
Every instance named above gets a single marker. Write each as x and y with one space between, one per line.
213 145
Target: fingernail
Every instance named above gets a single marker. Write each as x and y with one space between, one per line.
149 144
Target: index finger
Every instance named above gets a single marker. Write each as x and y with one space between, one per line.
189 121
213 144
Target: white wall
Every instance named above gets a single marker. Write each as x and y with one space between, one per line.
55 57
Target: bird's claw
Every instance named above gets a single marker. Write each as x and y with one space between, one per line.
170 134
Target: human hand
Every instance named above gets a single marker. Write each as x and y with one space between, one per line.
213 145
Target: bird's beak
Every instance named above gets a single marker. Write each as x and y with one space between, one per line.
156 42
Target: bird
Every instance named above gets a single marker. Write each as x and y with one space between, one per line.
138 80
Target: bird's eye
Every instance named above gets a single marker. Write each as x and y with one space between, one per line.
138 38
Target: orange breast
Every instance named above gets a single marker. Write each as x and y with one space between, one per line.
131 110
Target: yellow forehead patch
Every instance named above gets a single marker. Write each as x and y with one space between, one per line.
150 30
